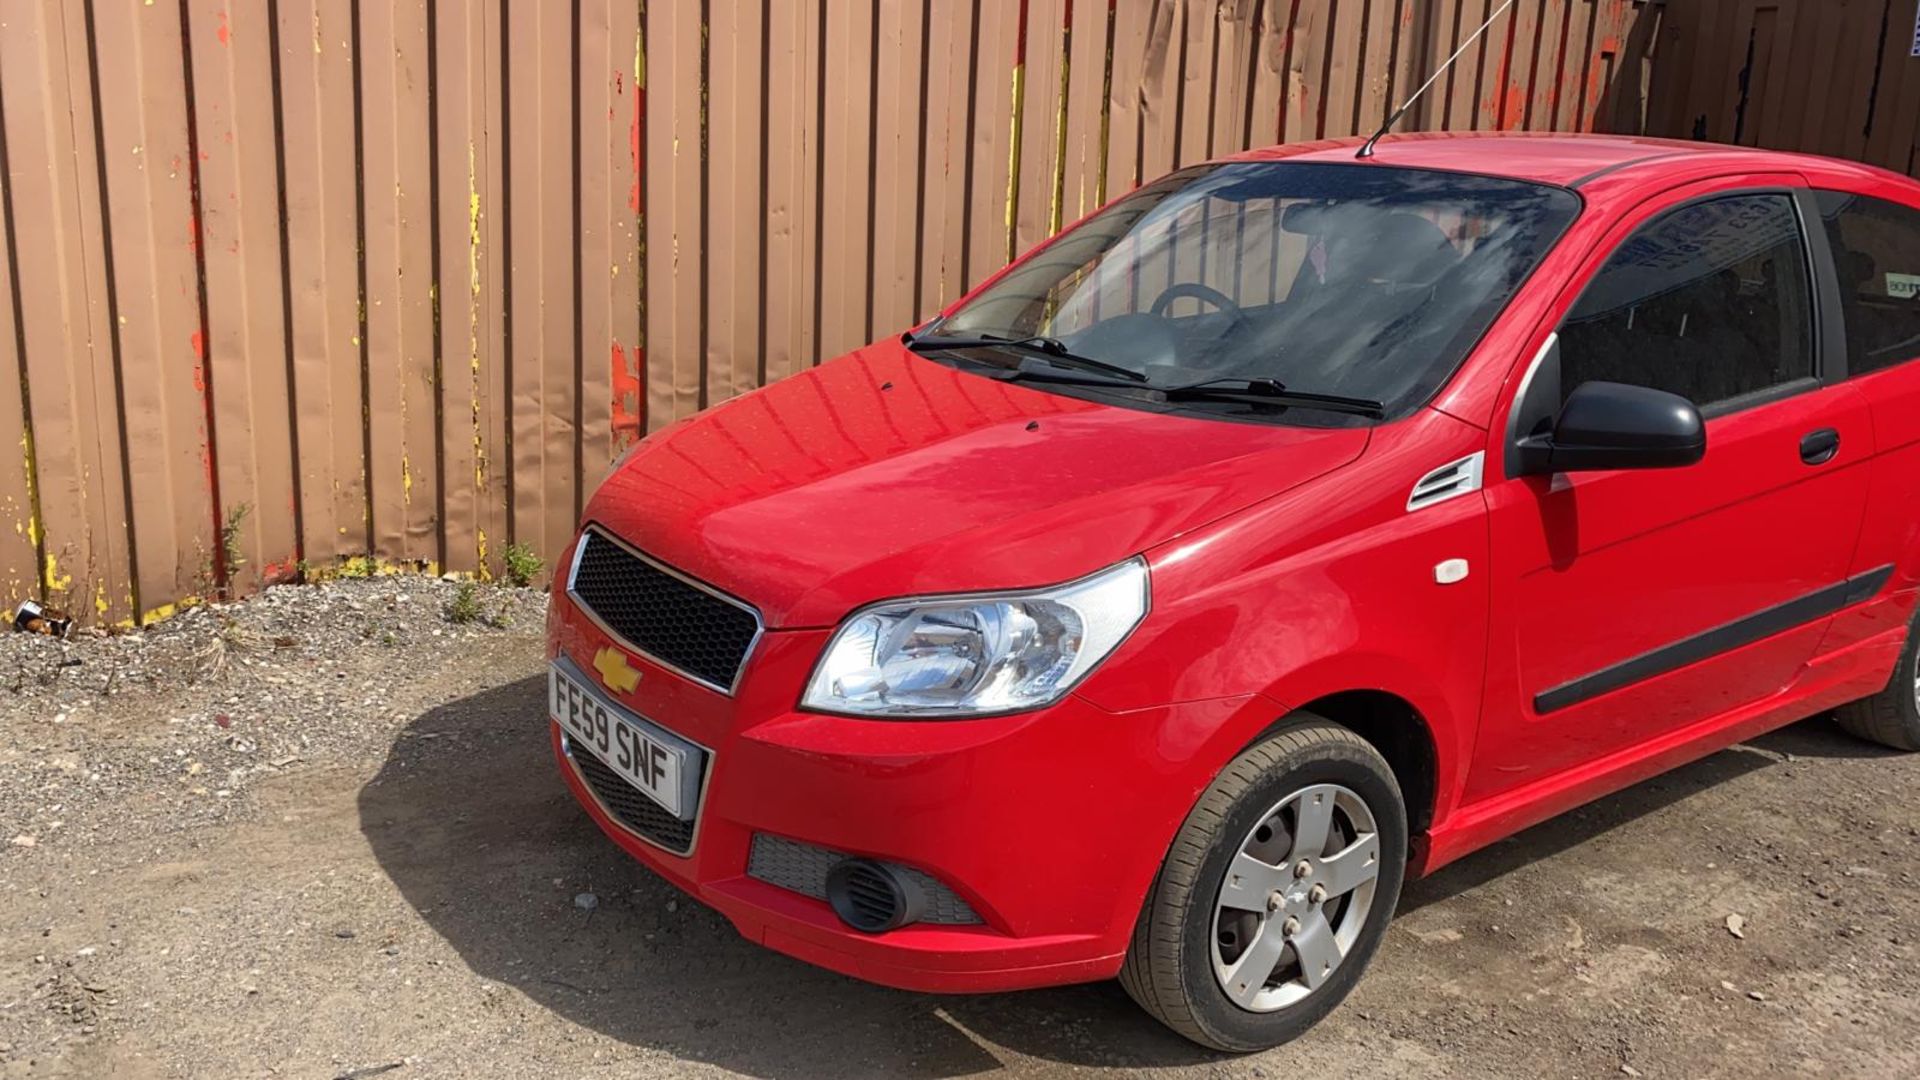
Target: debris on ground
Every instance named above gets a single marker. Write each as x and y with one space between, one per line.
31 618
1737 925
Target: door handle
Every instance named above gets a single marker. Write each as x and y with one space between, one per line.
1819 447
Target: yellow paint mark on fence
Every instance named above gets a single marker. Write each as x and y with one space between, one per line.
32 467
476 396
1059 193
1013 155
51 577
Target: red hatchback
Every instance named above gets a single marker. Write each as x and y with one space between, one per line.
1294 524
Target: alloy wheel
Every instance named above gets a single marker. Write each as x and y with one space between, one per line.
1296 896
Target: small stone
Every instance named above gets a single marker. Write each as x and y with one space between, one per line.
1756 995
88 951
586 901
673 906
1630 1070
23 840
1737 925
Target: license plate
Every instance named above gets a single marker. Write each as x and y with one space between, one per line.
663 766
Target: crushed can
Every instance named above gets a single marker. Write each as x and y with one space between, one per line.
31 618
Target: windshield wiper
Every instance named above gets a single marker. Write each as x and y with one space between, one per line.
1053 350
1271 392
1233 390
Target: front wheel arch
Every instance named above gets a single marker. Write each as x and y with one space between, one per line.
1396 729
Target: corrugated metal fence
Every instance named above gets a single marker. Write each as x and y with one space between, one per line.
293 281
1833 77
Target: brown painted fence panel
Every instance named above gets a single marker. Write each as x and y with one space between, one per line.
232 132
322 257
288 282
155 283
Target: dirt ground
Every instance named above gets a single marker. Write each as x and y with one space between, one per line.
318 834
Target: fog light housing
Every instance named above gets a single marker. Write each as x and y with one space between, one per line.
872 897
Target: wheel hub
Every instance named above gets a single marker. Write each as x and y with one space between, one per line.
1295 897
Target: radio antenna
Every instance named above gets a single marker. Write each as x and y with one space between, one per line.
1366 151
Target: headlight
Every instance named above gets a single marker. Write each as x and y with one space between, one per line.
973 655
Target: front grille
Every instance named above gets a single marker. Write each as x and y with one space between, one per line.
629 807
666 616
803 868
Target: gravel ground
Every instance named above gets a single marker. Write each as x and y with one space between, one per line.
318 834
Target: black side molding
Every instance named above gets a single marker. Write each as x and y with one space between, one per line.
1733 635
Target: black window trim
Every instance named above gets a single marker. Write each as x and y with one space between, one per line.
1823 294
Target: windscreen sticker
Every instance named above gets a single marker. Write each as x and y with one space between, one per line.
1903 286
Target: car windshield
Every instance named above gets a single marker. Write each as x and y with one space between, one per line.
1361 281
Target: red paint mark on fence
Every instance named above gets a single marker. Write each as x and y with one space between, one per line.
626 400
635 147
223 31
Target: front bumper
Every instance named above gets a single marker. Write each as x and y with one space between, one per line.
1050 825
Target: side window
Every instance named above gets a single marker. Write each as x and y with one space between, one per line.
1876 248
1709 301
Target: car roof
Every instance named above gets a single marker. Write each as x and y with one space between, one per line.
1542 157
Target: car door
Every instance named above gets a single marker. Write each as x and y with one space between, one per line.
1629 604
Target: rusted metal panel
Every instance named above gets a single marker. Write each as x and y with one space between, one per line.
989 243
544 381
1567 105
1380 33
793 163
323 253
1126 83
1267 93
19 518
143 128
1083 172
246 360
848 91
402 395
609 267
1157 88
898 124
674 142
945 209
1193 83
473 395
1345 69
1835 118
1230 96
1896 108
1461 84
1308 26
734 199
1037 159
47 107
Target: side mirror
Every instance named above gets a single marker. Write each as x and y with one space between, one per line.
1615 426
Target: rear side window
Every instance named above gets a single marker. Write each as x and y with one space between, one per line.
1709 301
1876 249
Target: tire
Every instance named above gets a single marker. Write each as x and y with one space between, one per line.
1189 938
1892 716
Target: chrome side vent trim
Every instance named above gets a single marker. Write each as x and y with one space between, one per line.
1449 481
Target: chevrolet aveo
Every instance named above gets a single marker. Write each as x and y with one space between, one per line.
1295 524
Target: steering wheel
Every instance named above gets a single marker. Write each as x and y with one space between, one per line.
1196 291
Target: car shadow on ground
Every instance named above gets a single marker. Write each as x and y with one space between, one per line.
469 819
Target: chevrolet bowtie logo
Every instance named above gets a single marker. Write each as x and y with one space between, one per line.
620 676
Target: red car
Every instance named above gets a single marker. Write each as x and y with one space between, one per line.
1294 524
